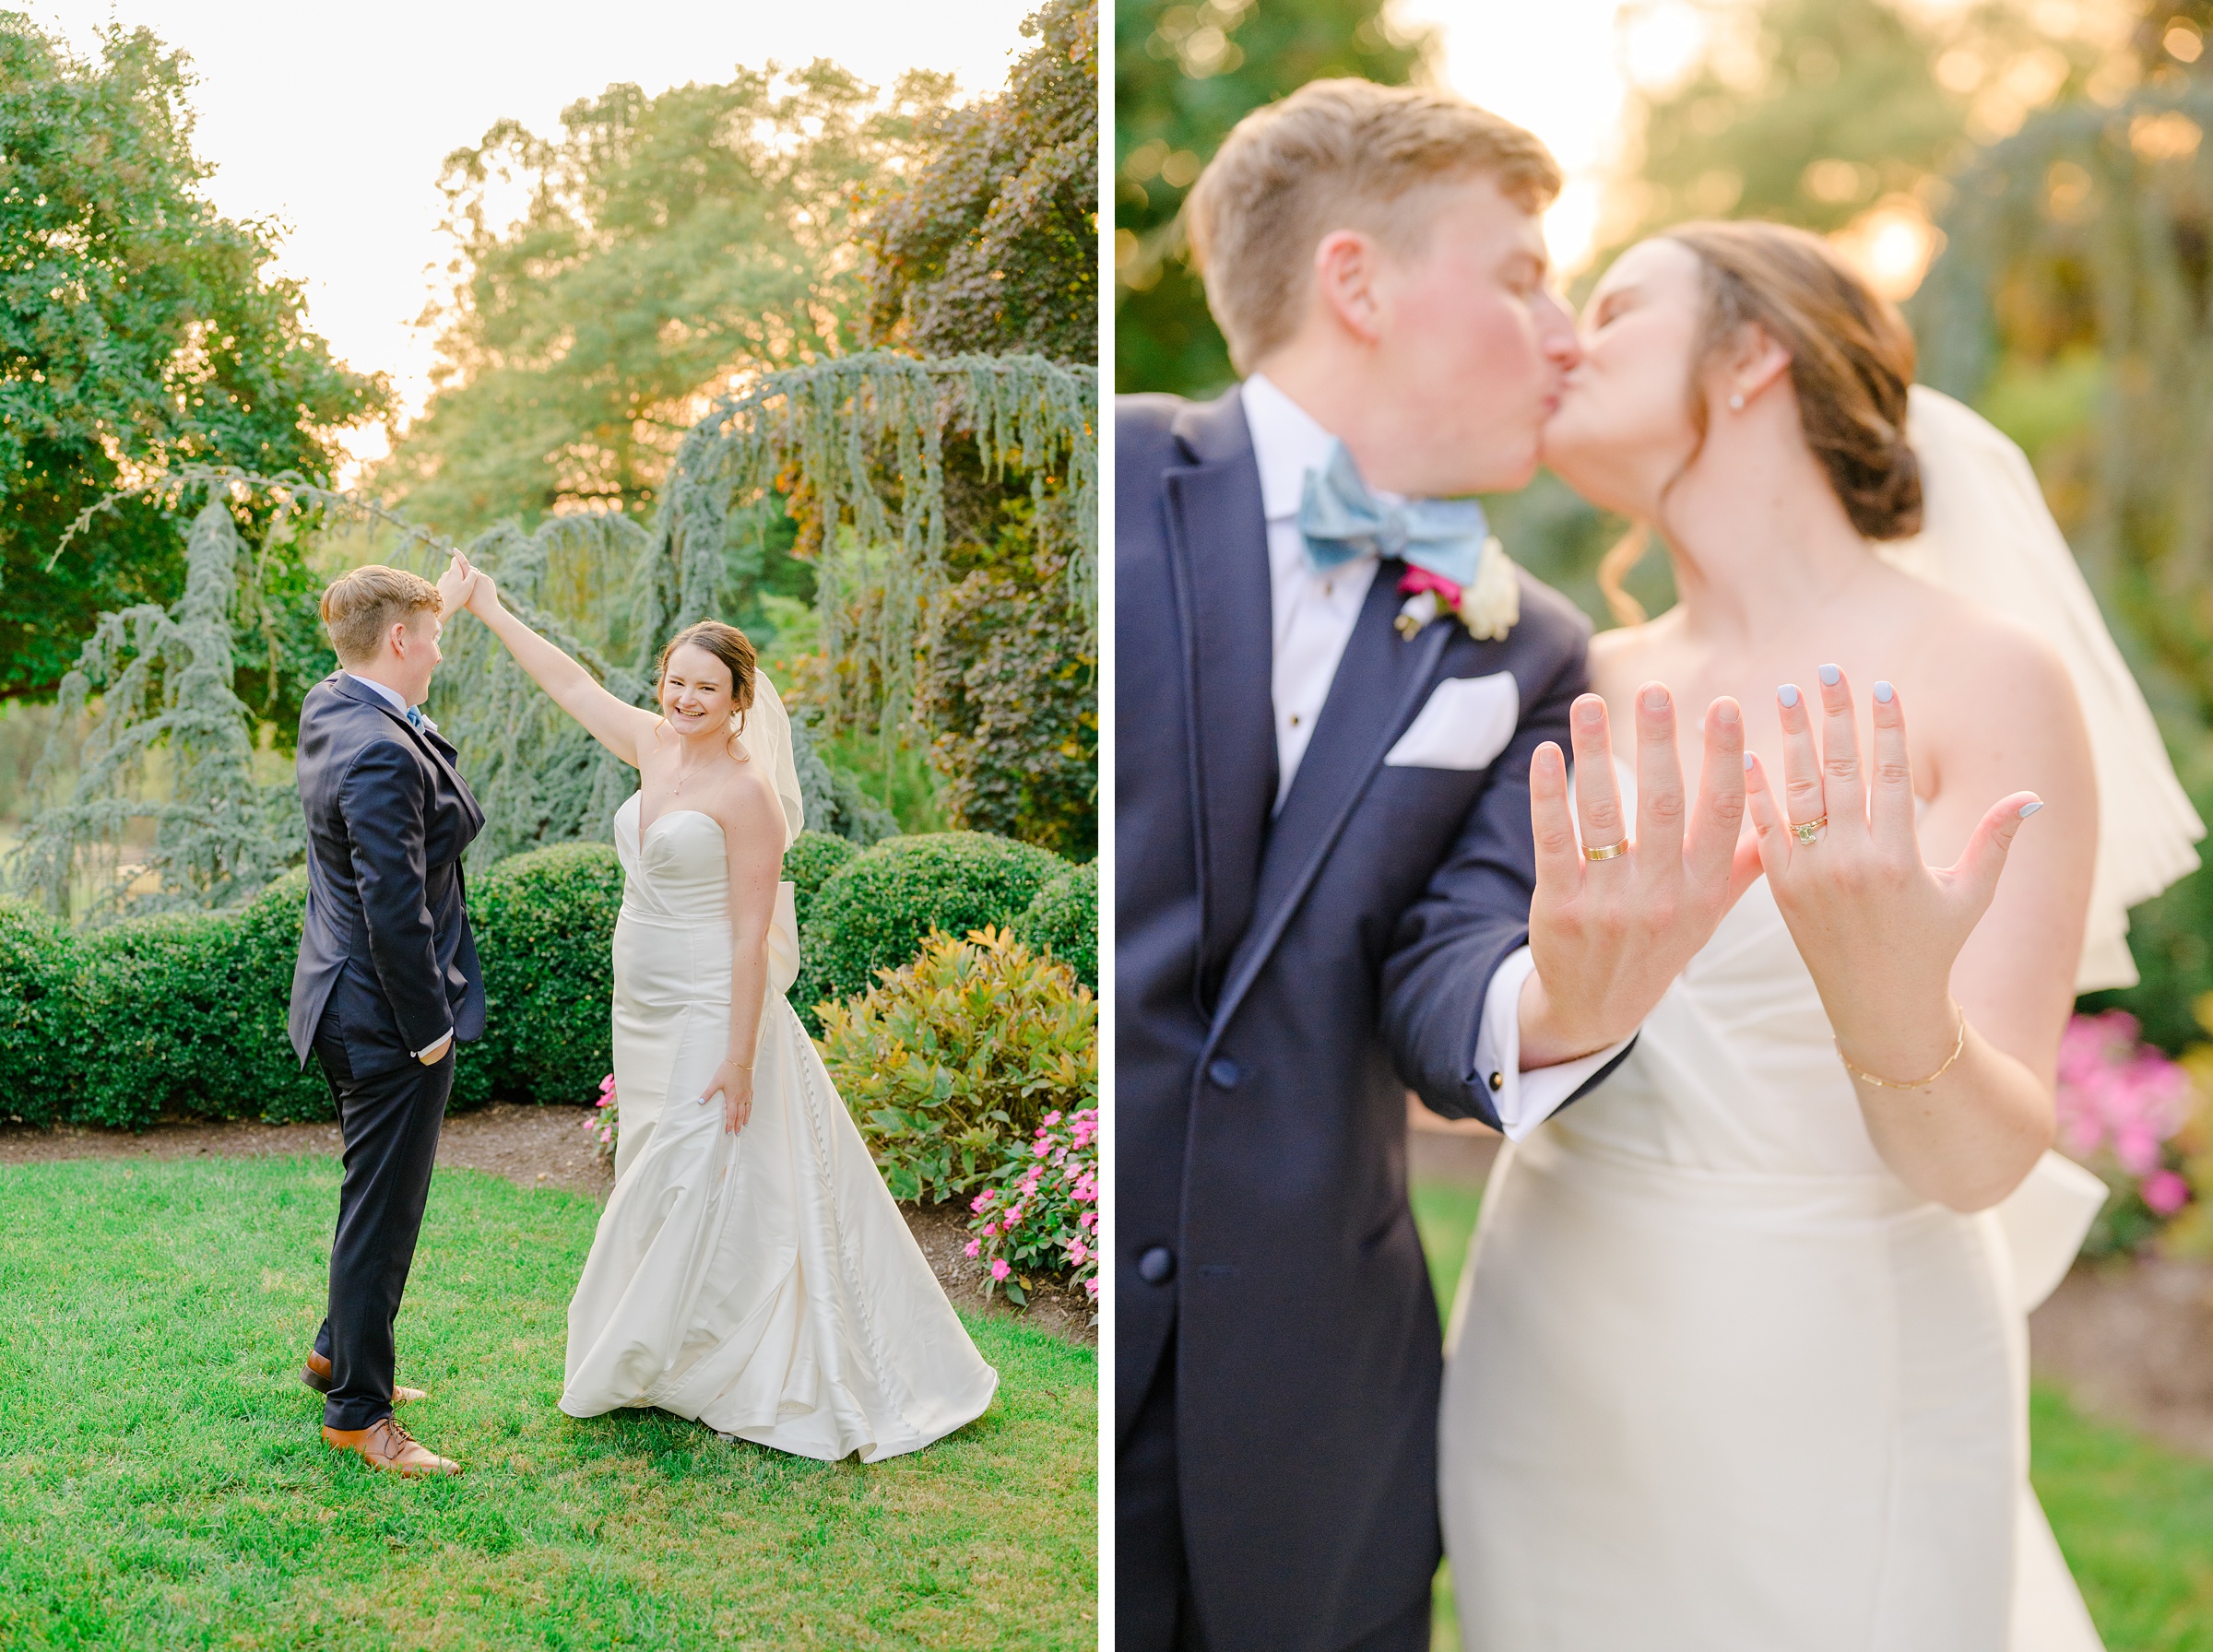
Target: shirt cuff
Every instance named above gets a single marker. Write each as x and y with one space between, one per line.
1523 1100
433 1050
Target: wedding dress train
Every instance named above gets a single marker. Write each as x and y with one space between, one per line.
764 1283
1718 1382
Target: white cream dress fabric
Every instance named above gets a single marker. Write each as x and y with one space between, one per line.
764 1283
1718 1382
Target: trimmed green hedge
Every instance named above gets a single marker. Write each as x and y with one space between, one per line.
1064 921
545 929
812 860
185 1013
874 913
38 962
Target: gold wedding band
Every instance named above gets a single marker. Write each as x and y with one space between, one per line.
1607 852
1808 832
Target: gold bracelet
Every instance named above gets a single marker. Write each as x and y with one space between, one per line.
1865 1077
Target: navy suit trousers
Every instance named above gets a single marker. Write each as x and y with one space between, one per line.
389 1121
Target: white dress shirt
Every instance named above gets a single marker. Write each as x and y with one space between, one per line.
1313 615
430 1051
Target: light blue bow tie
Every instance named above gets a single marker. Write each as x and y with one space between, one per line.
419 720
1342 520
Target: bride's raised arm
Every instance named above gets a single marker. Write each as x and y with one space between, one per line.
622 727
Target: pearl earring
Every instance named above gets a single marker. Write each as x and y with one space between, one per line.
1738 401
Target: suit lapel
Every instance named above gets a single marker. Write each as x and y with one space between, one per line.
1379 685
1217 539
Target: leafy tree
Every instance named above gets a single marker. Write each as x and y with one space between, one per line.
993 246
1184 76
671 249
137 330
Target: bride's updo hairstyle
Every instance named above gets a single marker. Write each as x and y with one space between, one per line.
1851 364
729 645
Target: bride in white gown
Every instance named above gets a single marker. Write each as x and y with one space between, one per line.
1738 1362
750 1269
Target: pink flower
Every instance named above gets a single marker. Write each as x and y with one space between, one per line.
981 1202
2165 1192
976 1247
1041 1148
1414 581
1052 1118
1000 1268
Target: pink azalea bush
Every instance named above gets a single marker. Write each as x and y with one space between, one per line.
2121 1103
1042 1216
601 1120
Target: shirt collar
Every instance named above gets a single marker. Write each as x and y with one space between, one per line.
392 696
1287 441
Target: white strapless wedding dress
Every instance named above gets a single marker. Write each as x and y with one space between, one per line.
1718 1382
764 1283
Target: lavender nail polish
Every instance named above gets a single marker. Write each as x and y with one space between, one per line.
1885 692
2029 809
1750 761
1787 693
1830 676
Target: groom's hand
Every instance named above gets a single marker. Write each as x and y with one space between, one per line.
1608 935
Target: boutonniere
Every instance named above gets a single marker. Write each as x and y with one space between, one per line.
1490 605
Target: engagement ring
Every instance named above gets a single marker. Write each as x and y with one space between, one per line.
1810 830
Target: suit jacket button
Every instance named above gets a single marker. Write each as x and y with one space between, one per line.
1225 1072
1157 1266
1497 1083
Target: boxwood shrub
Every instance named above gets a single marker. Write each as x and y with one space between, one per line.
812 860
545 929
875 912
185 1013
1064 921
39 965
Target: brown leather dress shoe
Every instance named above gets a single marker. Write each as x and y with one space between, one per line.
385 1445
318 1376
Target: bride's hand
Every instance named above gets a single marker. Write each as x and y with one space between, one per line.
1878 928
735 1085
456 585
483 595
1609 935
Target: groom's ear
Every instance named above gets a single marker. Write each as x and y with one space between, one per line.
1346 266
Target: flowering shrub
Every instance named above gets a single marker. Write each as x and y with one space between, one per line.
949 1064
603 1121
1044 1214
2121 1105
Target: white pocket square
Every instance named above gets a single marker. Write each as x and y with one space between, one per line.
1466 723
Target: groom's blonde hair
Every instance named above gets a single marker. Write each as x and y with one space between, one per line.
360 606
1338 155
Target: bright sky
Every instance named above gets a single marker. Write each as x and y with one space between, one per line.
335 118
1563 68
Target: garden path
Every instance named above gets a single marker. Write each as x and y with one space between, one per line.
532 1146
2131 1340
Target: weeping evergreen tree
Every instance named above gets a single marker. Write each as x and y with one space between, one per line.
164 678
856 447
2075 302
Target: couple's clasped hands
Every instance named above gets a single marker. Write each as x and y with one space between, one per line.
1617 916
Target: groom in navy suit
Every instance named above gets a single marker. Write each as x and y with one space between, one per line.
1335 699
386 982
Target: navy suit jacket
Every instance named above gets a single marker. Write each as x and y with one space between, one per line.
387 944
1281 984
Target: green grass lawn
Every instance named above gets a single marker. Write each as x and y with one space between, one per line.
163 1482
2133 1518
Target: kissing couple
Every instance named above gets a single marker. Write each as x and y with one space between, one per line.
750 1269
1738 1360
